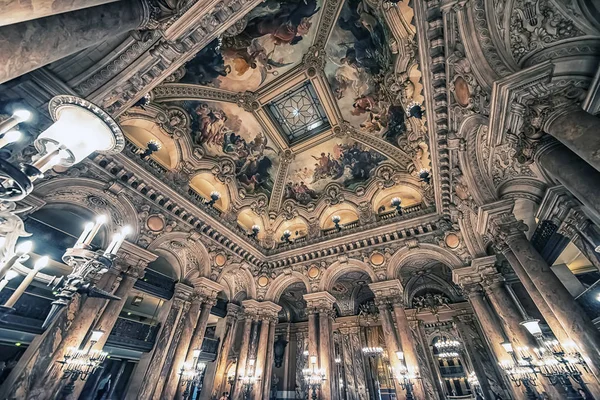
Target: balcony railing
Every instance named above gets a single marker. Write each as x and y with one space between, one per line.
452 370
133 335
209 349
156 284
29 312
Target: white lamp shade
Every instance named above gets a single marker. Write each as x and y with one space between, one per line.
508 347
81 128
196 353
533 326
96 335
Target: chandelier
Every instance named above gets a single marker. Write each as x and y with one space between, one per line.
192 374
372 351
81 363
447 348
314 377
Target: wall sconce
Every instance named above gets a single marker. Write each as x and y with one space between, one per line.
336 220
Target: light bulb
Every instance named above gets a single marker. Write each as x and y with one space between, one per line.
101 219
41 263
22 115
12 136
24 247
11 275
126 230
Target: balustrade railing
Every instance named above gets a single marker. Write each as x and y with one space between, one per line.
156 284
133 335
29 312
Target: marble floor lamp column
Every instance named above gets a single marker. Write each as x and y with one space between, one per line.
231 320
499 219
249 315
144 380
323 302
12 12
269 311
269 359
29 45
181 346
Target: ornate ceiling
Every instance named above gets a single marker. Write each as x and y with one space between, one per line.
298 112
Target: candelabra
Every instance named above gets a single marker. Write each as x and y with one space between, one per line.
314 377
404 378
192 375
521 370
397 203
254 232
248 381
557 364
286 237
88 265
81 363
336 219
214 197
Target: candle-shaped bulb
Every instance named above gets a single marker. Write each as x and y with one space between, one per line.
95 229
22 115
86 230
24 247
116 238
10 137
41 263
11 275
126 230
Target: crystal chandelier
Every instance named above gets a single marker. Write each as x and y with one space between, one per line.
447 348
192 374
81 363
372 351
314 377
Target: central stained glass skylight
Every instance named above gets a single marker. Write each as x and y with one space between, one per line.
298 113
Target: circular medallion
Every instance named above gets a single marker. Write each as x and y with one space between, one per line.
155 223
377 258
263 281
313 272
462 94
452 240
220 260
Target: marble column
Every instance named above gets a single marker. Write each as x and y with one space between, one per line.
323 302
111 312
393 291
29 45
181 348
143 379
233 312
572 318
268 313
37 374
579 131
243 356
12 12
269 359
313 342
581 179
391 342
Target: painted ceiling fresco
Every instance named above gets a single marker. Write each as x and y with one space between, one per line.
257 104
343 161
275 37
224 129
358 57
